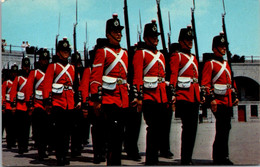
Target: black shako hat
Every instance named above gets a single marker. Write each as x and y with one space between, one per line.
219 40
64 45
14 68
150 29
113 24
186 33
44 54
75 58
26 62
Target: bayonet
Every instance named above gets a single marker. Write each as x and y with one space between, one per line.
161 26
169 33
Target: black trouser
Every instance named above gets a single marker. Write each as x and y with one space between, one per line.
76 136
153 115
40 123
3 123
165 136
98 130
9 121
223 126
85 129
189 116
115 129
132 130
22 129
61 125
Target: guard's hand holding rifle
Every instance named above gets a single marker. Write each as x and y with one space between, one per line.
48 104
213 104
173 95
97 107
234 97
85 108
78 106
173 101
137 103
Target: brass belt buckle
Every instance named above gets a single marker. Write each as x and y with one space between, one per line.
228 86
66 87
195 80
119 81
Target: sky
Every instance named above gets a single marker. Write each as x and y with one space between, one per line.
37 21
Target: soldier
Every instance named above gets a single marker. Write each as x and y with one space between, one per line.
39 115
97 121
108 87
217 82
77 115
8 115
185 92
58 96
20 106
150 89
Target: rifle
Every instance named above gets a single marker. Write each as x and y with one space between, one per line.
194 32
76 80
74 30
86 58
234 94
140 32
127 25
161 26
195 40
57 36
169 34
225 37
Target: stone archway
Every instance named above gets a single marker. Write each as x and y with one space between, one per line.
248 89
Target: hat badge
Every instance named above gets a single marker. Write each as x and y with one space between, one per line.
189 33
45 54
116 23
65 44
154 28
222 40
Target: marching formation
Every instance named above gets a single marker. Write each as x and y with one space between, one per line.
63 98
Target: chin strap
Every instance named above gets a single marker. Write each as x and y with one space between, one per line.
186 45
114 37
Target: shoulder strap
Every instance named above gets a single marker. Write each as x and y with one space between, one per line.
23 84
117 59
9 81
223 66
62 72
40 80
156 57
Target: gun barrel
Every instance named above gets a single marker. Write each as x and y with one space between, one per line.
126 25
161 25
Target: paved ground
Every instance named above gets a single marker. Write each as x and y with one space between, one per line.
244 148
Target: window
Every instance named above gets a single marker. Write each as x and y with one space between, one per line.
254 111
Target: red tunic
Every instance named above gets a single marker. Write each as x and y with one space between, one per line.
84 85
66 98
6 89
106 64
149 64
177 66
35 82
19 84
210 70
